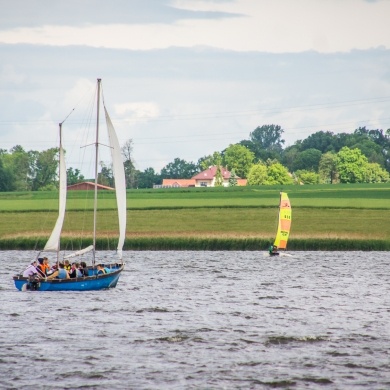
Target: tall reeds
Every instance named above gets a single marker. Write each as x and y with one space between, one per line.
206 244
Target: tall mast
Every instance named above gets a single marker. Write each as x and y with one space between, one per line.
96 169
59 181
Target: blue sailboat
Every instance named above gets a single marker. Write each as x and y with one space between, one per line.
93 281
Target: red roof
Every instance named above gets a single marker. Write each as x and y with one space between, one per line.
87 185
210 173
178 182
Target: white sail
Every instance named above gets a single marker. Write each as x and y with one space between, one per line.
80 252
53 244
120 181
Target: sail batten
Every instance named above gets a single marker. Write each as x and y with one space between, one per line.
284 222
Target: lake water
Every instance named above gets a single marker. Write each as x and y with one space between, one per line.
204 320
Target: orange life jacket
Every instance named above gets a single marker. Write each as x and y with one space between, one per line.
41 269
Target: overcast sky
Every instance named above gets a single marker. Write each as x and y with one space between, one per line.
187 78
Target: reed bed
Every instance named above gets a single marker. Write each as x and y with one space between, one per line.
202 243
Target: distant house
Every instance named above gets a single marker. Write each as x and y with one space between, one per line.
176 183
207 178
88 185
202 179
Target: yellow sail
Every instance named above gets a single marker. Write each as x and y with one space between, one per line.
284 224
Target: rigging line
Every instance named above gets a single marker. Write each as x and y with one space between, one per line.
68 116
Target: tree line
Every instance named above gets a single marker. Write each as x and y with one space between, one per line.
323 157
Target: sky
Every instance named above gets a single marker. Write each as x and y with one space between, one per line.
185 78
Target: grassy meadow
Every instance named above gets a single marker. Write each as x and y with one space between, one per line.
324 217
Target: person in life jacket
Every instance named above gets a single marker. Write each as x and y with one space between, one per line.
67 265
100 269
46 265
41 268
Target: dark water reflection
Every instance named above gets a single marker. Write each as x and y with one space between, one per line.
215 320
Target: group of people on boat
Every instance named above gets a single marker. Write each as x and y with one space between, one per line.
41 269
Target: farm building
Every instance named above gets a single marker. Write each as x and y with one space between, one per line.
88 185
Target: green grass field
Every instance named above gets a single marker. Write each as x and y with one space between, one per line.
324 217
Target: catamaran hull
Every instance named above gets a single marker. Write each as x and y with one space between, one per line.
89 283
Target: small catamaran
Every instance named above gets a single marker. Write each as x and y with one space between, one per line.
93 281
284 225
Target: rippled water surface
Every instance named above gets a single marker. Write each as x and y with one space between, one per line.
204 320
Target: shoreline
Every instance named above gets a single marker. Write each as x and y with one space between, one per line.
204 244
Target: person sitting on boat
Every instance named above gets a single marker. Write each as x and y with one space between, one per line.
273 250
75 272
46 265
52 269
67 265
100 270
41 268
84 269
61 273
31 270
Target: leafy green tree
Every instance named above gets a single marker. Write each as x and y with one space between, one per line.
232 178
265 142
209 161
6 178
327 168
74 176
179 169
307 177
278 174
289 156
130 171
44 172
371 150
239 158
377 136
258 174
218 177
325 141
351 165
17 162
268 137
148 178
105 176
374 173
307 160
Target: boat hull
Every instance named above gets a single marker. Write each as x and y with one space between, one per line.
89 283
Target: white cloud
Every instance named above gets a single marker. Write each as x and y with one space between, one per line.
137 110
191 101
9 75
272 26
